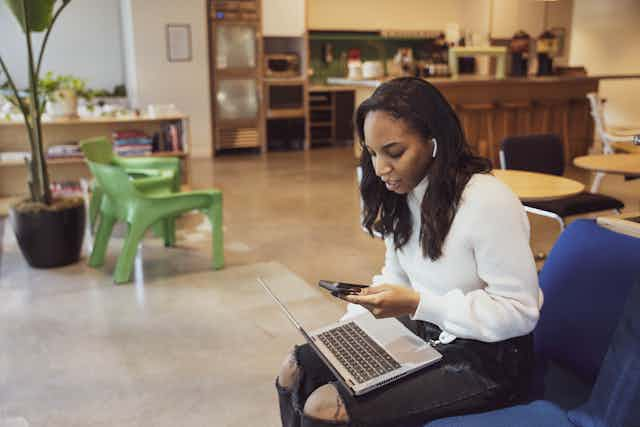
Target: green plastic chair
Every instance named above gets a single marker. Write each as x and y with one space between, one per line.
123 201
152 175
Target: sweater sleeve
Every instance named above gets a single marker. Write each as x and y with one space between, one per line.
509 304
392 274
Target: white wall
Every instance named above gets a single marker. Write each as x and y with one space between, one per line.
606 40
84 42
510 16
283 18
152 79
381 14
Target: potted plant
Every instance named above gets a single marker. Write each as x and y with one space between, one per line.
61 94
49 231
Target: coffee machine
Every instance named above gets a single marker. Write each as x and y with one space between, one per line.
519 49
547 48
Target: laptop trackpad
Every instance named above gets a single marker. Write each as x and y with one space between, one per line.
400 342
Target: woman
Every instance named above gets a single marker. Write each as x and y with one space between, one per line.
458 271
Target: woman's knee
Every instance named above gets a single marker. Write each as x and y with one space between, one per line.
326 404
289 372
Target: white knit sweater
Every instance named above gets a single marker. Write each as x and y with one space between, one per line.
484 286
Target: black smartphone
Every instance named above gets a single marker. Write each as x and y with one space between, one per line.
340 289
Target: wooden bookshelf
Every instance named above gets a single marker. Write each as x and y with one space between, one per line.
100 120
13 138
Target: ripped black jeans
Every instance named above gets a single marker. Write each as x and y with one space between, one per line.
472 376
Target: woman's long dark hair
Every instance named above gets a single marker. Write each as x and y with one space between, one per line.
426 112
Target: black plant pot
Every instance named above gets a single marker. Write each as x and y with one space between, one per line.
50 238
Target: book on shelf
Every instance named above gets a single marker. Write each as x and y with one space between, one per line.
61 189
172 137
14 156
69 150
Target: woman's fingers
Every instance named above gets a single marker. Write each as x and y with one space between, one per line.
364 299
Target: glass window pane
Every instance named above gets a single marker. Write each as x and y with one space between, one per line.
235 46
237 99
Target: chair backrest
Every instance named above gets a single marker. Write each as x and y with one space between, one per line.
97 150
115 182
585 280
534 153
597 112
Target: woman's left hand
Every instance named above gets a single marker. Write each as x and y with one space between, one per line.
387 300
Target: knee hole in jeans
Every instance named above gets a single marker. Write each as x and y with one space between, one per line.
289 372
326 404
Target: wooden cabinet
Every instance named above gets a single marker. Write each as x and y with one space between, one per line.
330 116
236 74
283 18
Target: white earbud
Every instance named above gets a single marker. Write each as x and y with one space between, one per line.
435 148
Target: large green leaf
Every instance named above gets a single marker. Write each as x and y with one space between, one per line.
40 13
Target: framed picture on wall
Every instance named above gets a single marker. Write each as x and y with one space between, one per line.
178 42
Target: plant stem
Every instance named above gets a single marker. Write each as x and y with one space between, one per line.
46 37
21 105
40 178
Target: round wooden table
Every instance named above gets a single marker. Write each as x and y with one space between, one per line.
537 187
624 164
626 147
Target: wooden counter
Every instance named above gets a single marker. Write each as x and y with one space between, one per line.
492 108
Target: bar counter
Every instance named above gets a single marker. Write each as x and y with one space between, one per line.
491 109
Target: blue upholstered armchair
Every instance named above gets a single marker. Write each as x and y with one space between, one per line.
587 339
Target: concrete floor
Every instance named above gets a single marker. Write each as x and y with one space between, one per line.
183 345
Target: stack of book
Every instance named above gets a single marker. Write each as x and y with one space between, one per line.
64 151
131 143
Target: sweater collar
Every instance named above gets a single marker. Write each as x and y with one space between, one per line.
417 194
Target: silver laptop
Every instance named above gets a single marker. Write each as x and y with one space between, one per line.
366 353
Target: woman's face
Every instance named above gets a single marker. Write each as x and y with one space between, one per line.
400 157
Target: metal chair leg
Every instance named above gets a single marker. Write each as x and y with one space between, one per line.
597 179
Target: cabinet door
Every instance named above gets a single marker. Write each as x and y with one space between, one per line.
235 46
344 108
237 99
284 18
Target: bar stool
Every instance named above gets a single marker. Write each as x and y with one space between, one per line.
473 129
549 106
516 110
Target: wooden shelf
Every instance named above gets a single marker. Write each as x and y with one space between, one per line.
99 120
13 139
180 154
76 160
320 107
284 80
321 124
285 114
64 161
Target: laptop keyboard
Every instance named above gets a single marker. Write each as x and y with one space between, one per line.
358 353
